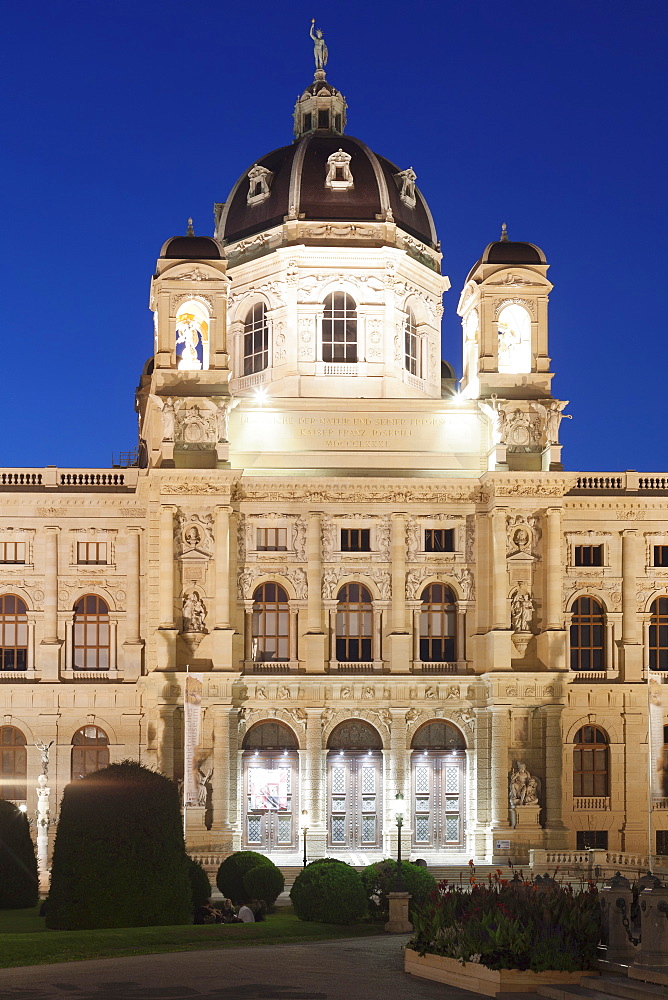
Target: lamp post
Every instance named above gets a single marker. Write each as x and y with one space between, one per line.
399 819
304 827
399 899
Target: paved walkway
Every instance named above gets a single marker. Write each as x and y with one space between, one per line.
368 968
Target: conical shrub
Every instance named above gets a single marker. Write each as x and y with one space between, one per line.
18 864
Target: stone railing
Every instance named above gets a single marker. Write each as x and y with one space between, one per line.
588 861
52 478
622 482
591 803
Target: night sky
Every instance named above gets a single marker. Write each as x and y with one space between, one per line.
120 120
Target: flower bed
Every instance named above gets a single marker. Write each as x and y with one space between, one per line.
497 935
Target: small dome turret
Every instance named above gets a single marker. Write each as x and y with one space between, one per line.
191 247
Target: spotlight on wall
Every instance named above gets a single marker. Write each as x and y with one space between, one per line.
23 808
260 396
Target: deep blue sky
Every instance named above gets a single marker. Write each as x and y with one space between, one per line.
120 120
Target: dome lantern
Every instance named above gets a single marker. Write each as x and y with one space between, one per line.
321 108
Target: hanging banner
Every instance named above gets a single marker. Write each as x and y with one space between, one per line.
268 789
658 779
191 736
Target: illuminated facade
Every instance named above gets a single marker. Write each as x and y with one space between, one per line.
387 579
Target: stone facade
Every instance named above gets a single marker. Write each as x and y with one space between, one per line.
375 574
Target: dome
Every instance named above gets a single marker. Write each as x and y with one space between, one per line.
509 252
293 182
191 247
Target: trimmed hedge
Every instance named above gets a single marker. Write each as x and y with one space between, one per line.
380 878
329 893
200 886
230 875
19 886
264 882
119 859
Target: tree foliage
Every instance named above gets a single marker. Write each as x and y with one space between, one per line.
230 875
329 893
119 859
18 865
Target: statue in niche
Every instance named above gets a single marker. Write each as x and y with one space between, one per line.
521 609
320 52
553 418
523 786
168 419
204 786
194 613
192 536
223 411
188 333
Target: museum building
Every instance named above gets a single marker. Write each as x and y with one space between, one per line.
383 575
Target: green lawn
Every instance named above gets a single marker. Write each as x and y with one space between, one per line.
25 941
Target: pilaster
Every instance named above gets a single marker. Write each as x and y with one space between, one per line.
631 653
51 643
133 646
223 630
315 640
167 631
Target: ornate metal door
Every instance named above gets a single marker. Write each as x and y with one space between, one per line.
267 828
355 795
438 800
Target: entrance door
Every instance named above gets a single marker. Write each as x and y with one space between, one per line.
355 800
438 800
270 801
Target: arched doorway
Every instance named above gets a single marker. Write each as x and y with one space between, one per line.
270 783
354 787
439 787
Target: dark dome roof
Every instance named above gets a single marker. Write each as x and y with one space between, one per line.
193 247
298 189
509 252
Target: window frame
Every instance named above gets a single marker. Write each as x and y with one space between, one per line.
11 750
658 634
412 345
5 546
94 548
354 638
255 335
432 611
94 621
267 532
599 750
270 610
347 536
434 532
340 319
13 625
580 549
581 620
97 751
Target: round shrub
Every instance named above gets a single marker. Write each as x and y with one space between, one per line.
380 878
329 894
18 864
200 886
264 882
230 875
119 859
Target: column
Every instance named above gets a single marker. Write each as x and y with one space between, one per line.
332 632
398 572
222 558
395 781
224 793
552 794
294 651
461 633
416 635
49 655
553 610
166 567
51 585
313 784
248 631
632 650
376 650
315 645
499 570
314 571
132 631
133 645
499 766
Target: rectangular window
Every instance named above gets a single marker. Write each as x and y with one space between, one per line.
355 540
661 555
92 553
272 539
588 555
439 540
592 840
662 842
308 122
323 119
12 552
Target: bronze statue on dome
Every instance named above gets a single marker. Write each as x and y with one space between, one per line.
319 47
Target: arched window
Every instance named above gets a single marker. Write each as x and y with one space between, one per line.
587 635
270 736
412 345
271 623
339 328
438 735
91 646
354 624
256 340
438 619
192 337
14 764
13 633
354 734
658 634
514 325
90 751
590 762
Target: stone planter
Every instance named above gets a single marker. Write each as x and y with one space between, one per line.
480 979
